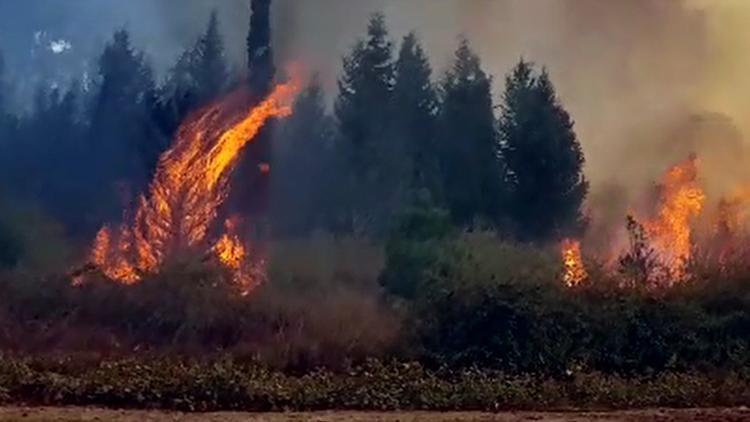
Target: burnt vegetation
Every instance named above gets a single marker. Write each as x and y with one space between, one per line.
415 220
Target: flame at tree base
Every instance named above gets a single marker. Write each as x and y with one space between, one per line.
191 183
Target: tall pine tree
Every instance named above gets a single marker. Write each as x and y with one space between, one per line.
416 106
260 66
471 168
251 188
363 110
125 141
210 63
199 76
544 159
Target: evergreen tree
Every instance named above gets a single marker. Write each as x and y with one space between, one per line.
304 197
125 141
544 158
470 164
416 105
363 110
199 76
261 70
210 69
250 194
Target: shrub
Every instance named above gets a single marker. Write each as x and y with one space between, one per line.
229 385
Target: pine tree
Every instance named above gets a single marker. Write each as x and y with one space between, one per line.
470 164
544 158
250 194
199 76
363 110
125 141
305 166
210 64
261 70
415 115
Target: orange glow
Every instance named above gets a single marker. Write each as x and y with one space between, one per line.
681 203
574 271
191 183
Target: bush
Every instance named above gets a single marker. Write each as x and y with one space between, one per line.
228 385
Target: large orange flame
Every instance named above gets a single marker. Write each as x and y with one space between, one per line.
190 184
574 271
681 203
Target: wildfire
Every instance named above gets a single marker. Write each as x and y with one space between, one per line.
191 183
681 203
573 267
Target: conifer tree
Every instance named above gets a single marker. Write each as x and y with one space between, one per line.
199 76
210 63
363 110
470 164
544 158
125 141
250 195
415 112
260 66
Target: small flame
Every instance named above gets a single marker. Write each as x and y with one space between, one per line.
574 271
190 184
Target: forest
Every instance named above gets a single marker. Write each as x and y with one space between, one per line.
412 242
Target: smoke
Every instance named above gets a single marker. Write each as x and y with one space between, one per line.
647 81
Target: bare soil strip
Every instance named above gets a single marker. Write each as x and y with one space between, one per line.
44 414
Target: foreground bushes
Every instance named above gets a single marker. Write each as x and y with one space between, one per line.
436 296
231 386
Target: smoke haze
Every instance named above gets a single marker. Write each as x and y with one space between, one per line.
647 81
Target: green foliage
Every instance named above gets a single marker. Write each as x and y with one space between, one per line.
363 110
543 157
420 242
471 169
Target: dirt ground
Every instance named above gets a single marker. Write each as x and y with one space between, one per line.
14 414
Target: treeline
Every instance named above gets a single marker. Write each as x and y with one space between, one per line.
397 138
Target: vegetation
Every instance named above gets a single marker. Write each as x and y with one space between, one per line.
412 224
228 385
